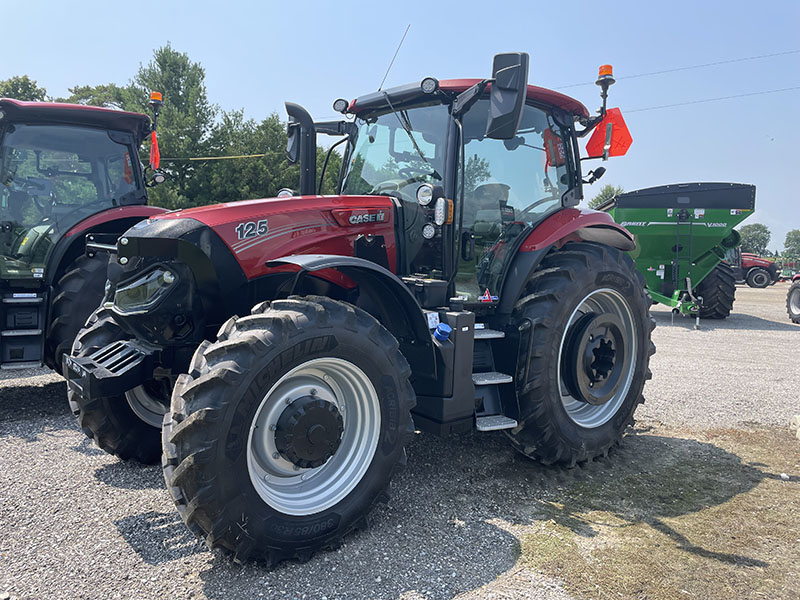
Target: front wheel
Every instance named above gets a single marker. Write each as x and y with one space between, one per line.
793 302
288 429
585 327
758 278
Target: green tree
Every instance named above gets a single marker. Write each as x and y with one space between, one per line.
21 88
791 244
755 238
186 120
607 193
109 95
476 172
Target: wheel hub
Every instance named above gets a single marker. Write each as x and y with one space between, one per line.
594 358
309 432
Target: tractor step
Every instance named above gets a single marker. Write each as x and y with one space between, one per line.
491 378
488 334
494 423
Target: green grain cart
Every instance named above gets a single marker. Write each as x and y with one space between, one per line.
682 234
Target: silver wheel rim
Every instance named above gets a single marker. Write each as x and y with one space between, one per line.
591 415
296 491
760 278
145 406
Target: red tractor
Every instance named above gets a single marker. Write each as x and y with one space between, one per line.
66 172
450 285
754 271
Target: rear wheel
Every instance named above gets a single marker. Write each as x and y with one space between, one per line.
288 429
75 296
717 291
793 302
758 277
129 425
586 323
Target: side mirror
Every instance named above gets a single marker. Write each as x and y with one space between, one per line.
157 179
507 95
293 142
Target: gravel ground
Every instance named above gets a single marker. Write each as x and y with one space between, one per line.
77 523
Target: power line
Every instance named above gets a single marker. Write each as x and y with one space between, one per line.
677 69
789 89
215 157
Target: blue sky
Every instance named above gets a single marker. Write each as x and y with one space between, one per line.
259 54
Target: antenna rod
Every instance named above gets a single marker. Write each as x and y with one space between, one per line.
395 56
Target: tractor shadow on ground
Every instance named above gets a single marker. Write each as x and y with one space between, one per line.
450 525
158 537
735 322
129 475
25 408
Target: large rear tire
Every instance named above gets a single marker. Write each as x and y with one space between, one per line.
288 429
793 302
758 278
75 296
718 292
585 323
126 426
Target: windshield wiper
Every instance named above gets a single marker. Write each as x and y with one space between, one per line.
402 117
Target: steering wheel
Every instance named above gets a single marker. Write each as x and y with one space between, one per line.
394 185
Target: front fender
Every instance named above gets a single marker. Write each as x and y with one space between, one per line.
392 303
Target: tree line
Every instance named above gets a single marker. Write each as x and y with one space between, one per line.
191 126
755 236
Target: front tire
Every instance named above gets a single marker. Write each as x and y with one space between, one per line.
718 292
793 302
75 296
288 429
127 425
758 278
585 325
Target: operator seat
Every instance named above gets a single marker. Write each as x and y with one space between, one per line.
17 201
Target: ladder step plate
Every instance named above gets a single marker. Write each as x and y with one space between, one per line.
488 334
494 422
491 378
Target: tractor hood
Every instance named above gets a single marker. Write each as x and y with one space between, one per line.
257 231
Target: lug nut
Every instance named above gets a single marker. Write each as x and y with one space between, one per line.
313 391
275 455
273 427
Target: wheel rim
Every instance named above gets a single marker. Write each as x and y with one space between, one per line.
760 279
146 406
587 356
346 391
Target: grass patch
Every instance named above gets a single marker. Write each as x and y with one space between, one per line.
698 516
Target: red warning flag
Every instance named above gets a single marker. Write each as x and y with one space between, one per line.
621 138
155 155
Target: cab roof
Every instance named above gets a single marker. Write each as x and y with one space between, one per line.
412 92
75 114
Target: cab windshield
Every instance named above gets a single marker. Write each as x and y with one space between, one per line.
52 177
396 151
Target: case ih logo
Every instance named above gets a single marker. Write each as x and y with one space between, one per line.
367 218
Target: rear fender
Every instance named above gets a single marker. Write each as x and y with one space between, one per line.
567 225
385 297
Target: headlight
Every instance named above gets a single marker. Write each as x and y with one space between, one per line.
143 293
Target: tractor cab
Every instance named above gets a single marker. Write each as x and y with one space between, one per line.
59 165
473 166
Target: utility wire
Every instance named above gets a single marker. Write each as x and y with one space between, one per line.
675 70
216 157
789 89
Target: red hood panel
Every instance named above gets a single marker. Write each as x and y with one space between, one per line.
257 231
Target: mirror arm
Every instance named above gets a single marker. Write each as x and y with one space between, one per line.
468 97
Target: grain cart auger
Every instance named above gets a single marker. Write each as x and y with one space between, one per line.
683 233
450 284
67 173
